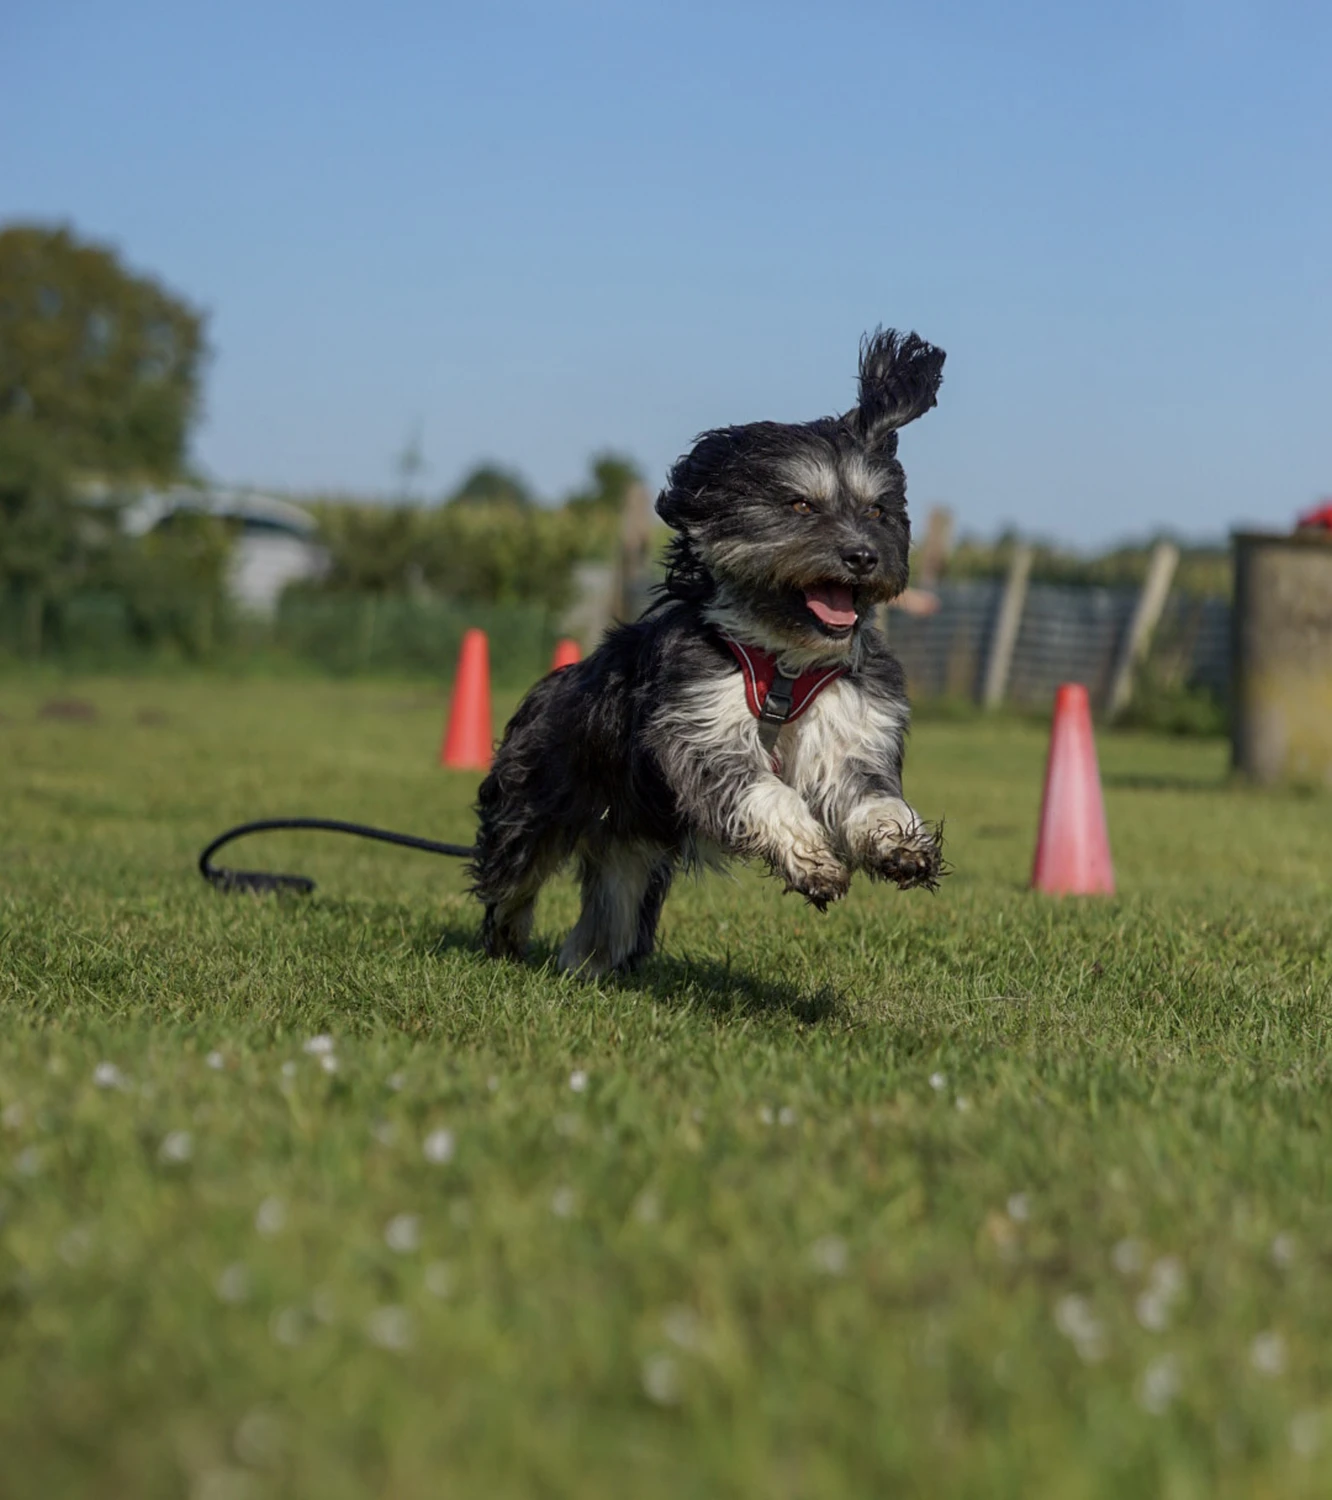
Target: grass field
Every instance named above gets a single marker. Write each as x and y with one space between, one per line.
976 1194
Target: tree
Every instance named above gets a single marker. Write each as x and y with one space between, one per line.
102 363
612 477
99 376
490 485
42 552
371 548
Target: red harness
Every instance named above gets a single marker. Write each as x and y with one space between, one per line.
774 698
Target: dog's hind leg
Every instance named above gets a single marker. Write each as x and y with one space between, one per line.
624 884
510 895
649 911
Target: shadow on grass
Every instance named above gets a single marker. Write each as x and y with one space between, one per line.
722 990
1133 782
718 988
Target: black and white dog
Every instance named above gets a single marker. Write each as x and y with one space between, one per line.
753 710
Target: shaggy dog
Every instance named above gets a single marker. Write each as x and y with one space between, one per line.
752 711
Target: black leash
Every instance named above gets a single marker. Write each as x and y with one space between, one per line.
264 880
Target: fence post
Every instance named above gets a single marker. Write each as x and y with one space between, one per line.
935 549
1146 616
1004 640
634 559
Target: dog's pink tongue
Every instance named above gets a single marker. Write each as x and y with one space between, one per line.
833 604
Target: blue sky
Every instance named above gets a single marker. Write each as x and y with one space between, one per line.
538 230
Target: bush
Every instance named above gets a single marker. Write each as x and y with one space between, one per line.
349 634
1202 571
476 552
1163 703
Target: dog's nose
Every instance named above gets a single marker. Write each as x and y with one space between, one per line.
861 560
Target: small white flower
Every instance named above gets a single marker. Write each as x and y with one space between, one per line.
13 1116
1152 1310
1284 1250
395 1081
390 1328
289 1069
233 1283
1079 1324
1159 1384
829 1255
1167 1277
578 1080
439 1279
318 1046
1018 1207
223 1484
661 1379
259 1439
563 1203
74 1245
786 1115
403 1233
385 1132
287 1326
177 1147
963 1104
1267 1354
682 1326
216 1061
28 1162
271 1217
765 1114
1129 1256
329 1063
1306 1433
938 1082
438 1147
107 1076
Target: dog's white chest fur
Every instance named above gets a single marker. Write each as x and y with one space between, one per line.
842 724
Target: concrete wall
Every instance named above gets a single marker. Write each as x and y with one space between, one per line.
1282 659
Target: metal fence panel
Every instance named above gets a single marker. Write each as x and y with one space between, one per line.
943 654
1068 634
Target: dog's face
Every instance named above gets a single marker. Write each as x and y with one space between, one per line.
801 529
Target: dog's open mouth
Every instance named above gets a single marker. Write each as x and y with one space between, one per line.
833 605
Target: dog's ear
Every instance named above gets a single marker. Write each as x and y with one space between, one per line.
899 381
694 474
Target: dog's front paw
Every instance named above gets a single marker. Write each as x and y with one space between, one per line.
910 856
817 874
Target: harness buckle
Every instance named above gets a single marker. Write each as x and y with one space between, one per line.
776 709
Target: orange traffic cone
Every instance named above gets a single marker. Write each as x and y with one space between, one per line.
566 654
468 739
1073 847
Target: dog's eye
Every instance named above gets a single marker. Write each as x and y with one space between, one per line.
802 507
874 512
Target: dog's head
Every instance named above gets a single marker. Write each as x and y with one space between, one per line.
794 532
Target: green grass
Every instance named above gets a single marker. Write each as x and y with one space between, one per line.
976 1194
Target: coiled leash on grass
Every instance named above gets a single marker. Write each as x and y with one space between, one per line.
265 880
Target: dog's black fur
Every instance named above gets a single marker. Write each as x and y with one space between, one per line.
645 756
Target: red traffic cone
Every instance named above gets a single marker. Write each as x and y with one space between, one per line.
1073 847
468 739
566 654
